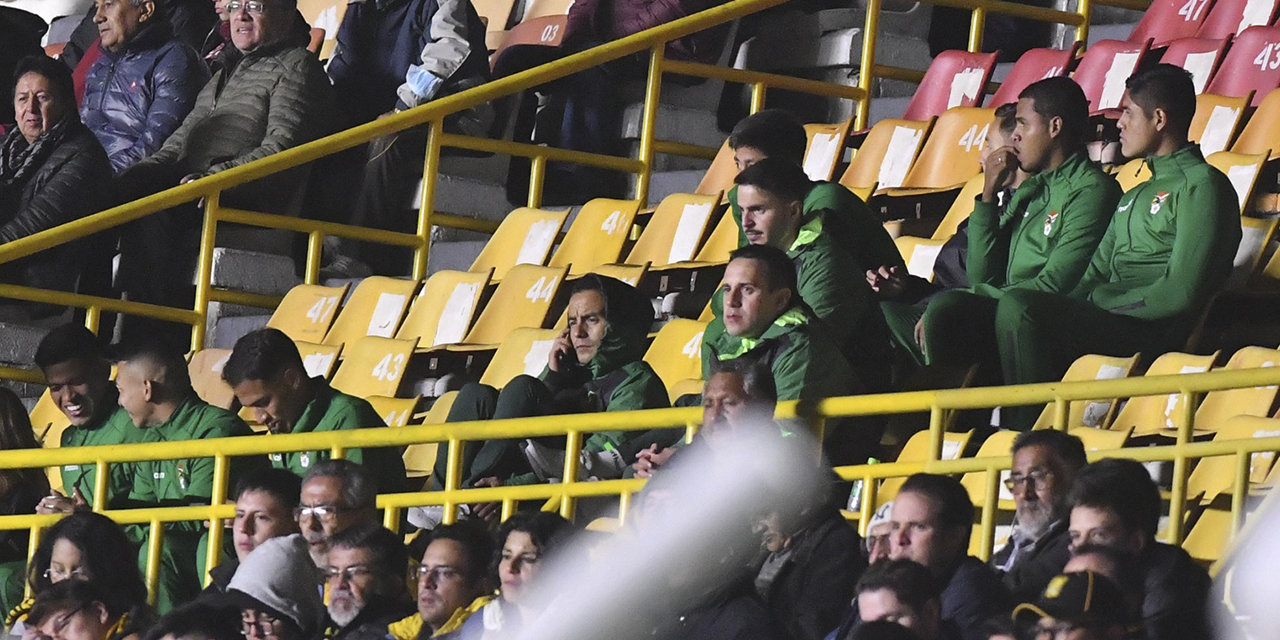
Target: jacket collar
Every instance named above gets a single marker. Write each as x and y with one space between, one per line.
1177 161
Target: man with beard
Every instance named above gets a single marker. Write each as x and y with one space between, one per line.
336 495
1045 465
367 589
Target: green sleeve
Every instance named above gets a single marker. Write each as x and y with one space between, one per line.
386 463
988 260
850 223
835 297
1205 239
144 484
200 486
710 337
792 373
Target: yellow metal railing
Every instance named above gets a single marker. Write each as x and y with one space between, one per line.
563 496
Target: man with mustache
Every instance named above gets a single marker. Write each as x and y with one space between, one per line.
366 580
336 495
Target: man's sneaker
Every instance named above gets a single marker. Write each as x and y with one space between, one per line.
345 268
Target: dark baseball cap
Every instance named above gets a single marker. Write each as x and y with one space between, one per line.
1076 597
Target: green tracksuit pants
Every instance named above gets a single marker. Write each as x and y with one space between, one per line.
902 318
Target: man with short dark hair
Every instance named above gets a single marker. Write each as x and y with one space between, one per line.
266 372
900 591
265 500
1116 504
1045 465
1167 250
770 198
366 580
1042 240
453 581
932 520
336 495
1086 605
79 379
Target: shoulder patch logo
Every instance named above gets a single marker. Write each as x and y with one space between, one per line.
1048 222
1158 202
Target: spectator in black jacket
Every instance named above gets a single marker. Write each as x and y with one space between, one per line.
903 592
1045 464
1116 504
52 170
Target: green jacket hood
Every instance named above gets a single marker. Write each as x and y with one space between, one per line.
628 318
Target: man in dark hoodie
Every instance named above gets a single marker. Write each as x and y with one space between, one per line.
595 365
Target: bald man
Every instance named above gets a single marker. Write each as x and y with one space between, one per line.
156 392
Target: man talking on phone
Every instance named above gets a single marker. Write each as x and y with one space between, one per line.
595 365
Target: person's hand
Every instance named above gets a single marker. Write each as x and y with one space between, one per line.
55 502
999 168
561 352
487 511
887 281
650 460
919 333
190 177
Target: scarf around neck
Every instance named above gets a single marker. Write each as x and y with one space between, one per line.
20 160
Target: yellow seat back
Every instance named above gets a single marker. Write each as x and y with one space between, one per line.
307 311
1215 476
1132 174
719 176
420 459
1095 439
596 236
919 254
205 370
1220 406
997 444
521 300
48 422
722 241
1090 413
886 155
1208 537
320 360
373 366
676 353
375 308
950 154
824 149
960 209
443 311
1216 121
1242 169
916 449
1262 133
524 237
675 230
1149 414
525 351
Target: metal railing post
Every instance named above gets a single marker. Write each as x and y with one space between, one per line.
99 486
649 121
452 479
154 544
977 23
221 465
315 255
204 269
1084 8
430 171
572 453
537 181
866 67
758 91
1178 488
936 434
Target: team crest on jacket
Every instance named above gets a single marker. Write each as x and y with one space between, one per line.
1158 202
1049 220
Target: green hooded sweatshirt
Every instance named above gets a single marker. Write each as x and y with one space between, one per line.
1170 246
1047 234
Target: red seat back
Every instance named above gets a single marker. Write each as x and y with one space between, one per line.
1103 70
1252 64
1033 66
1200 56
954 79
1229 18
1168 20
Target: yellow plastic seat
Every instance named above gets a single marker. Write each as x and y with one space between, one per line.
596 236
1242 169
825 149
1262 133
420 459
375 308
524 237
950 154
960 209
1095 439
1151 414
1215 476
689 386
676 353
205 370
522 299
525 351
307 311
373 366
1256 236
1132 174
886 155
320 360
675 230
722 242
1217 120
442 312
1220 406
396 412
631 274
1209 536
719 176
1090 413
919 254
997 444
327 16
916 449
496 15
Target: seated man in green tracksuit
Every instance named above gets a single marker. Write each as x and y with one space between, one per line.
595 365
1044 239
266 372
773 133
770 195
764 319
1166 252
156 392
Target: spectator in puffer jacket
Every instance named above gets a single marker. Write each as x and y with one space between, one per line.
143 85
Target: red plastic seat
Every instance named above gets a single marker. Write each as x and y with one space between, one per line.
1103 70
1033 66
1168 20
954 79
1229 18
1200 56
1252 64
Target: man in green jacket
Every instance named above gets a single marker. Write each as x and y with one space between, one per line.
266 373
595 365
156 392
773 133
1166 252
770 194
1045 237
765 320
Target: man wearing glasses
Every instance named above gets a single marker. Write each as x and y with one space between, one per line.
336 495
1045 465
453 581
366 582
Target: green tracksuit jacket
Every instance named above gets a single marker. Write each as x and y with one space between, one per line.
332 410
1050 230
847 218
116 428
1170 245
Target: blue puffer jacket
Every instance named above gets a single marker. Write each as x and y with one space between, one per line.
134 99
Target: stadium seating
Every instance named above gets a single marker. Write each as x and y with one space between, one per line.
376 307
1104 68
885 156
1242 169
1086 413
324 16
949 157
1215 476
1200 56
496 15
307 311
675 231
1132 174
596 236
825 149
1229 18
525 236
1152 414
1252 64
960 209
443 311
916 449
1033 66
954 79
676 353
919 254
1262 133
1168 20
320 360
205 369
1217 120
996 445
373 366
719 176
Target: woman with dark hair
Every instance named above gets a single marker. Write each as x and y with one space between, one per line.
20 492
528 540
79 610
88 547
52 171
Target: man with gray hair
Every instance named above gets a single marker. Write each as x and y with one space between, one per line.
336 495
1045 466
366 582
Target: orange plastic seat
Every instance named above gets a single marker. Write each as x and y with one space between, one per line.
1216 121
824 149
950 154
886 155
